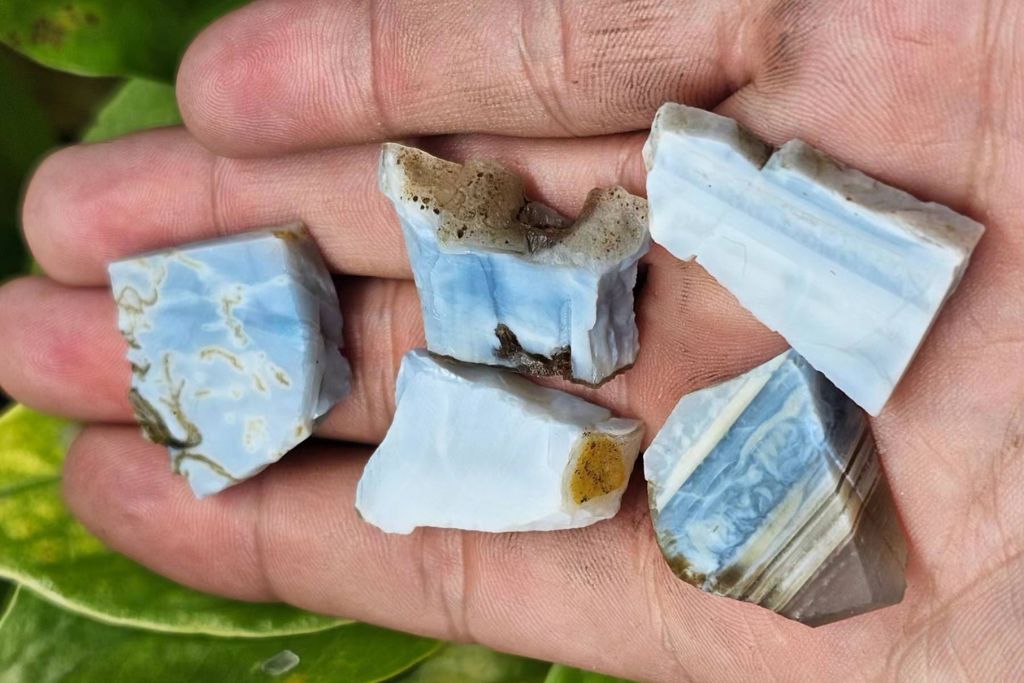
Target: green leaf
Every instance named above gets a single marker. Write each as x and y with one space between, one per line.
477 664
107 37
41 643
6 591
565 674
26 135
44 548
138 104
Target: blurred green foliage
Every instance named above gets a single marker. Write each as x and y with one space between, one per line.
26 135
69 607
137 104
477 664
42 643
142 38
565 674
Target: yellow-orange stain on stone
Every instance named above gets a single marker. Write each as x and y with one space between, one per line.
290 234
599 468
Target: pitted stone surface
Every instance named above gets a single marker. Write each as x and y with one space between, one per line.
491 266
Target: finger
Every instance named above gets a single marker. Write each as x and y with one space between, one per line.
601 597
64 355
161 188
880 97
281 75
60 351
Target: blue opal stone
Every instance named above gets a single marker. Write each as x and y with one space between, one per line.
768 488
234 350
485 449
852 272
506 281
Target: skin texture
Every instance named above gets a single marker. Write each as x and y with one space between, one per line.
283 101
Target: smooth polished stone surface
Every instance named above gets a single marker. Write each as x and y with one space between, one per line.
481 448
768 488
850 271
506 281
233 345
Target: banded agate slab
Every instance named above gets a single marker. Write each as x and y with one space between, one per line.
507 281
234 350
768 488
481 448
850 271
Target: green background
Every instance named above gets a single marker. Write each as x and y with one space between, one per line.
70 609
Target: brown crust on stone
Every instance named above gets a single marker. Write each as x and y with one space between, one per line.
482 204
610 226
558 364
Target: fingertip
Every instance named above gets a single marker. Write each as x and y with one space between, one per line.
213 82
87 205
234 81
122 489
56 354
55 205
114 483
75 210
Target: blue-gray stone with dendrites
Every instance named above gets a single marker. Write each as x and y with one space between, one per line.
852 272
234 350
768 488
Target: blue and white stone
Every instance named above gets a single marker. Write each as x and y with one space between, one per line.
506 281
850 271
234 349
481 448
768 488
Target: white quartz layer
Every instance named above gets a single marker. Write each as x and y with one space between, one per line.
479 448
553 299
850 271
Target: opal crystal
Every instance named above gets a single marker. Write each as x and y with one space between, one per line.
850 271
476 447
507 281
234 349
768 488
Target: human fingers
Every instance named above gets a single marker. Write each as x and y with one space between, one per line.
600 596
284 75
63 353
161 188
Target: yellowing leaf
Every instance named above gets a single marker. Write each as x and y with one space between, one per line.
43 547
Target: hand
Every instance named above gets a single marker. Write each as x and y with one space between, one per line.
284 102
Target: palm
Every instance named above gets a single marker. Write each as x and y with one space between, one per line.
919 94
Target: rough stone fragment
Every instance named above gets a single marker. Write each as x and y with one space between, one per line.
851 271
233 346
475 447
507 281
768 488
